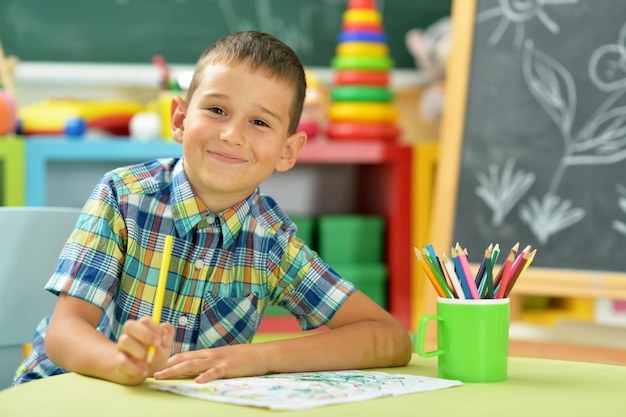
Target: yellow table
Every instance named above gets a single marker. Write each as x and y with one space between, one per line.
535 388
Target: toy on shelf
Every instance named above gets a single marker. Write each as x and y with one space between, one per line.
146 125
8 119
315 104
430 48
73 117
8 106
171 85
362 106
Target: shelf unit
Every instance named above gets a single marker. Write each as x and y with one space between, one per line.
383 188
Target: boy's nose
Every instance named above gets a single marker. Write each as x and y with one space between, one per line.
231 133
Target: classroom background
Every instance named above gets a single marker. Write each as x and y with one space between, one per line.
91 90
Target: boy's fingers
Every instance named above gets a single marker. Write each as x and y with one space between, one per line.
143 330
129 370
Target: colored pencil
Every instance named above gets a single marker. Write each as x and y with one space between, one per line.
459 272
527 258
512 252
448 267
495 253
160 290
489 278
429 273
505 275
433 263
467 272
480 275
482 282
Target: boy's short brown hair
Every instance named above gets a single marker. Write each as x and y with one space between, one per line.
261 51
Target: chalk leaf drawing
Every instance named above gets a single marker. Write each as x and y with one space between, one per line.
549 216
552 85
502 192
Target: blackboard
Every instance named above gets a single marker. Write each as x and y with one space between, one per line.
132 31
533 147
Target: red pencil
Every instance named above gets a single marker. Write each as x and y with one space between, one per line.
504 275
527 258
498 277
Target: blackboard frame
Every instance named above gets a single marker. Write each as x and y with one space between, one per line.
554 282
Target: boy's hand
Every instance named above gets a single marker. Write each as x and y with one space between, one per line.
131 366
217 363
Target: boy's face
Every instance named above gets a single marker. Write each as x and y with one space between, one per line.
234 133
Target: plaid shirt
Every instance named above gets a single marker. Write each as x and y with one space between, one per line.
225 269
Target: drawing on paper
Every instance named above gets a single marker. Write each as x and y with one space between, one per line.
307 389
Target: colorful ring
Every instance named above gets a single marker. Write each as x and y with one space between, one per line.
362 4
374 63
359 26
310 128
361 93
362 15
350 111
361 36
363 131
374 78
362 49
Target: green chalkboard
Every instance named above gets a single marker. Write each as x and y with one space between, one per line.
132 31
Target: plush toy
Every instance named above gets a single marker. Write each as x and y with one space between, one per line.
430 49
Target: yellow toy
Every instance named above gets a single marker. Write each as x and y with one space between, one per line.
73 117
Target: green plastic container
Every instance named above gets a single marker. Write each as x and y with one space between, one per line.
351 238
306 229
369 277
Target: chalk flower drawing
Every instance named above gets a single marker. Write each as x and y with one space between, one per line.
549 216
517 13
601 140
502 193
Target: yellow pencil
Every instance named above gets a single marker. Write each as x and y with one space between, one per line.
160 290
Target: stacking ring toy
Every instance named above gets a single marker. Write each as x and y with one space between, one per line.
375 78
361 93
362 16
362 62
361 36
347 111
357 26
363 131
374 49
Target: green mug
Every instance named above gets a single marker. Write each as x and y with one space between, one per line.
472 339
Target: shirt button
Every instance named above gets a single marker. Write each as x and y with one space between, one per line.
210 219
182 321
199 263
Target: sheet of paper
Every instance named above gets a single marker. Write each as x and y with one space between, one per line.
298 391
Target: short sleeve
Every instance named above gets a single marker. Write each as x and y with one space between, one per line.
315 291
93 256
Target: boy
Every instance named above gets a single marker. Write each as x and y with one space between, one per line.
235 252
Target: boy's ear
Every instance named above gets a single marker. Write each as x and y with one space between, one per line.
178 112
292 148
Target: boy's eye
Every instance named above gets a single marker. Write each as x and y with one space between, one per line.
217 110
259 123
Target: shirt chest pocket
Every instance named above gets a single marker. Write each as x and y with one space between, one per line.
227 320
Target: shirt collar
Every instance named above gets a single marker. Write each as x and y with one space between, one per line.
188 210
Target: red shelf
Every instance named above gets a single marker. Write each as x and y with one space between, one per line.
384 189
321 150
